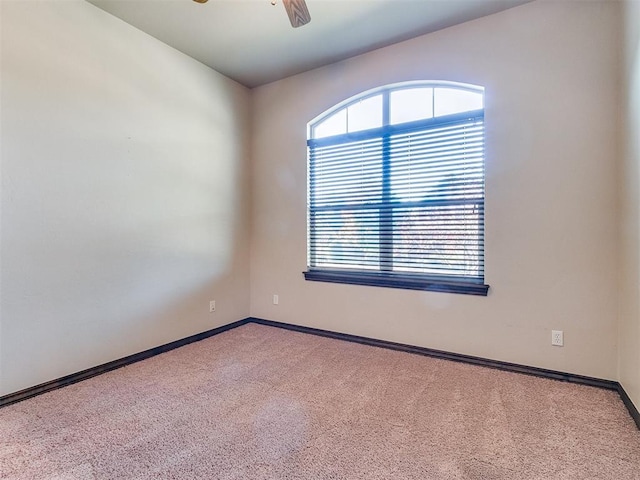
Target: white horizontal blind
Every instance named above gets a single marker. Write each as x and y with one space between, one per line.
405 199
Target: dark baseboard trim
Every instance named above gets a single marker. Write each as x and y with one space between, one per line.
635 414
457 357
113 365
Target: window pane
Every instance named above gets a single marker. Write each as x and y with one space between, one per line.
346 239
442 240
336 124
346 173
448 101
411 104
438 164
365 114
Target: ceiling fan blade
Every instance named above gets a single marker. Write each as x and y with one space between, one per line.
297 11
200 1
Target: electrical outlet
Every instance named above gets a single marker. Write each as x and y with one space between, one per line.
275 299
557 338
212 306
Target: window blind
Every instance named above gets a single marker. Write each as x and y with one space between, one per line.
400 200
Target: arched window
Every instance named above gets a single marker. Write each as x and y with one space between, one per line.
396 189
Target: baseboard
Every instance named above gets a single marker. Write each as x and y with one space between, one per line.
457 357
635 414
510 367
113 365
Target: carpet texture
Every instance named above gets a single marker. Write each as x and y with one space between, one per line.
259 402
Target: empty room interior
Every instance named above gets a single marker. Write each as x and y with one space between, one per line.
187 289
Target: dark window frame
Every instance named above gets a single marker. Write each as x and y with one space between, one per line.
384 276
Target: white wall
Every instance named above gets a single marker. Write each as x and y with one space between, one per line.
629 332
123 192
550 70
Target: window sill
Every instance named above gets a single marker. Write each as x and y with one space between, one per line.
410 282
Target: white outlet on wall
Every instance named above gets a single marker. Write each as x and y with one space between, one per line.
212 306
557 338
275 299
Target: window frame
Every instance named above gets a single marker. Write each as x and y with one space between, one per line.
384 276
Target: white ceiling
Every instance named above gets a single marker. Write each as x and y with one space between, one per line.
253 42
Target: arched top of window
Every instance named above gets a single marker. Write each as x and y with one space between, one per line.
397 104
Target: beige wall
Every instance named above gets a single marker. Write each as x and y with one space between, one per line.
629 329
550 73
124 189
123 192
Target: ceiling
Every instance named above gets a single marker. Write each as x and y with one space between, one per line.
252 41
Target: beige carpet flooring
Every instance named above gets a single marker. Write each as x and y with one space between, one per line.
259 402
